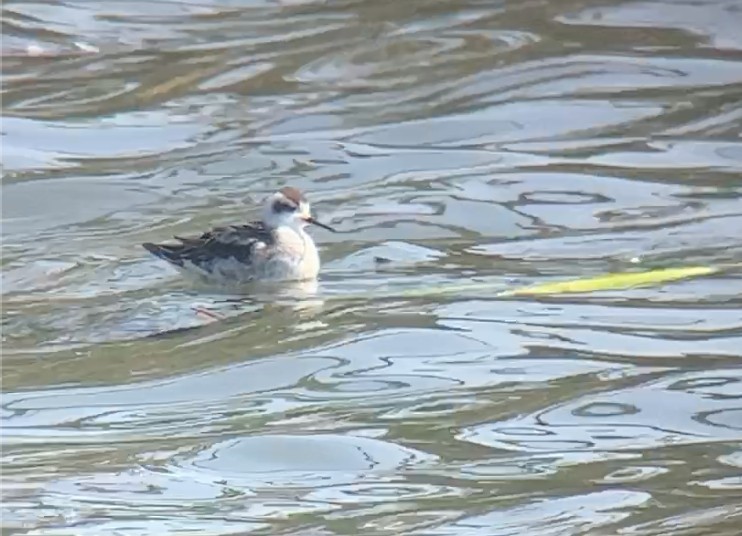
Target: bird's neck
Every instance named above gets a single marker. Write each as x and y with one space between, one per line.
293 239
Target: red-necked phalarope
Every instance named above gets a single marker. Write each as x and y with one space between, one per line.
276 248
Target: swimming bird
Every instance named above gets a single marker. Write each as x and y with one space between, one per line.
277 248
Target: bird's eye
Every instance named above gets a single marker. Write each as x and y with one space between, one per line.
280 206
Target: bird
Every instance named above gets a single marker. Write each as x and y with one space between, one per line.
277 248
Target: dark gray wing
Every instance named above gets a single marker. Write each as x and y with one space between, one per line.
239 242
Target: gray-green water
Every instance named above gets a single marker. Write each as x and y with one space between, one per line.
506 142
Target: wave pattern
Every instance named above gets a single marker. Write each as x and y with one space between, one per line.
508 143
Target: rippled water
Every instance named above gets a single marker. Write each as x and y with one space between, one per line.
505 143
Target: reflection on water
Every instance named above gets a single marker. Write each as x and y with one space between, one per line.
507 143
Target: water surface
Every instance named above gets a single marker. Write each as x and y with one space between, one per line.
500 143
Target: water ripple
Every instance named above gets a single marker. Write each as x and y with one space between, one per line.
460 143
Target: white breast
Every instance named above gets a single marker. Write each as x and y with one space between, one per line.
293 255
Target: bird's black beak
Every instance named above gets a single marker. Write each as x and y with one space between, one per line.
310 219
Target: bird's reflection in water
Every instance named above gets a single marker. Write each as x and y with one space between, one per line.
297 296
